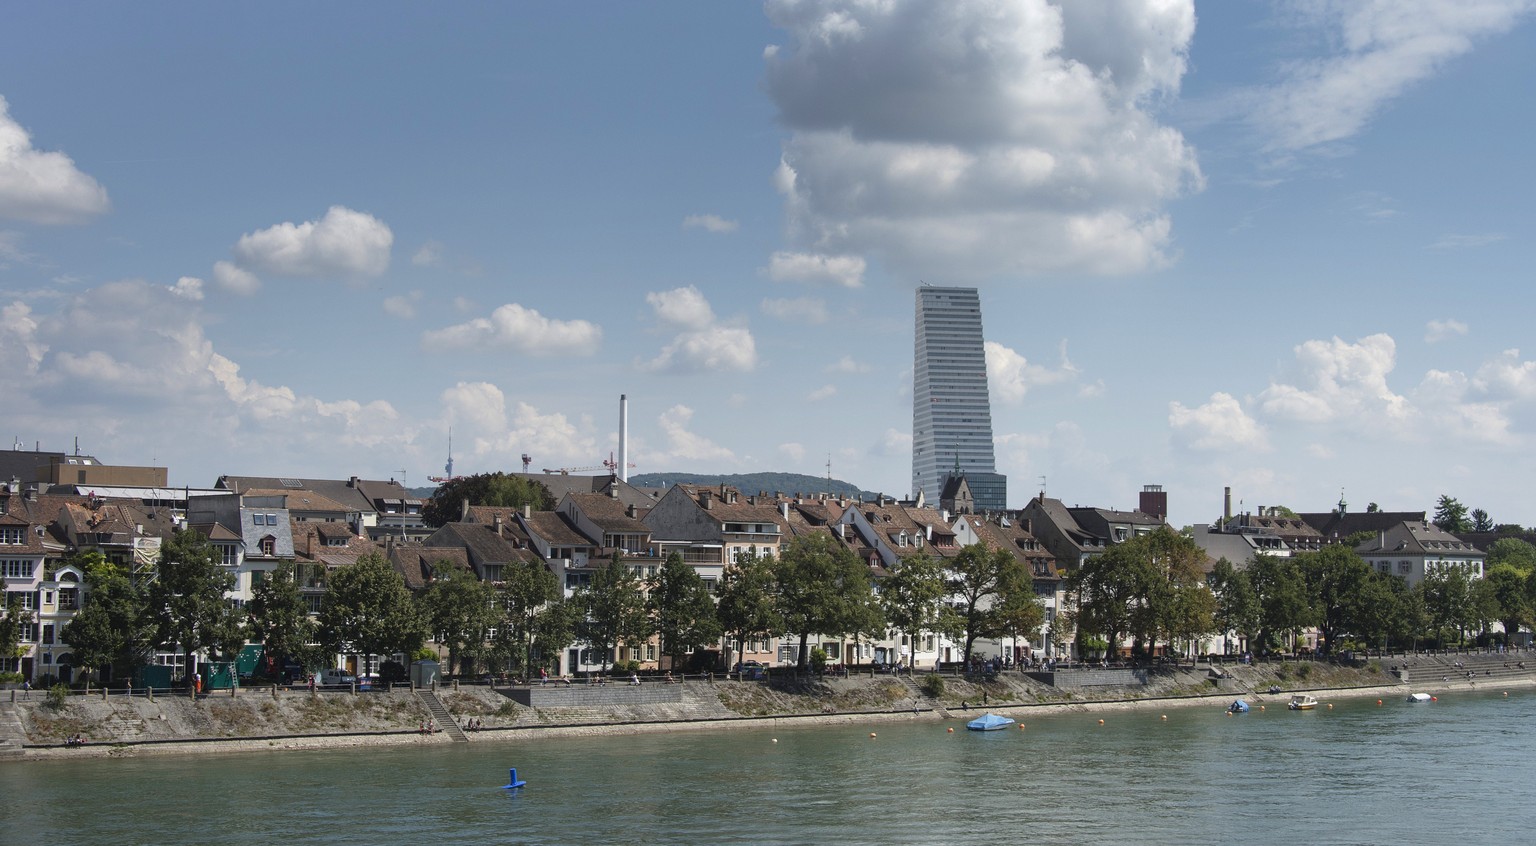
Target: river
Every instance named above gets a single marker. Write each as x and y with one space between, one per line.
1459 770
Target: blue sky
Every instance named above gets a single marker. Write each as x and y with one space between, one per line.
1278 246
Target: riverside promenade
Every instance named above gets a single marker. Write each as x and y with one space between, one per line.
261 718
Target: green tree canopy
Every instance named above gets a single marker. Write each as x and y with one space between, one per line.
747 603
187 598
460 612
536 621
1513 552
14 619
911 597
499 489
1451 515
1481 522
367 610
1237 606
613 610
682 611
983 582
1282 593
1511 595
824 589
1335 577
280 620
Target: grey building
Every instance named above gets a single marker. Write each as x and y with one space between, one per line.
951 410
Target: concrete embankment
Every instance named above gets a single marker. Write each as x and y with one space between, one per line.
259 719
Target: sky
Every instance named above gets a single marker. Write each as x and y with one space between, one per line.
1278 246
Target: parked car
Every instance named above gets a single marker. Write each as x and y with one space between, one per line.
335 677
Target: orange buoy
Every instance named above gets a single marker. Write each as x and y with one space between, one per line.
1434 699
1021 726
1330 706
1261 707
1165 716
1101 722
1378 702
871 734
951 729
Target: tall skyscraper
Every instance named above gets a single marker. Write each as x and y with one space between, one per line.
951 411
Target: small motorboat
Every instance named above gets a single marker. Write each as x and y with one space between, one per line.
1420 697
1302 702
989 722
1238 706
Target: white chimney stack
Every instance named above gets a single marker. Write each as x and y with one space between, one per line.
623 437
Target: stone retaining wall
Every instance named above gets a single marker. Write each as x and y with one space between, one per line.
1072 679
585 696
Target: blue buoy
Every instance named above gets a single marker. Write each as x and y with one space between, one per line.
512 781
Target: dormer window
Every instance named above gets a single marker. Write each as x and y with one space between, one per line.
901 539
269 546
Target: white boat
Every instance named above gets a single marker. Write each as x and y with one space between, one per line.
1420 697
990 722
1302 702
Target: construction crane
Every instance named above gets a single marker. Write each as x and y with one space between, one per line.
613 466
527 460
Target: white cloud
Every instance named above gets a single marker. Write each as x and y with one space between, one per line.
801 310
710 223
684 307
235 279
342 243
703 344
1440 330
846 364
10 248
402 305
430 254
42 187
960 140
1467 242
1507 377
188 288
1335 380
1010 375
1219 424
685 445
1377 51
794 452
515 327
845 271
821 393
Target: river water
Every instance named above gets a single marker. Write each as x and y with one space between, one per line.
1460 770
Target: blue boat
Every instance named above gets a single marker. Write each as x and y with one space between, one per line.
989 722
1238 706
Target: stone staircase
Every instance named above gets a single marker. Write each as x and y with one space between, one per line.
440 714
12 735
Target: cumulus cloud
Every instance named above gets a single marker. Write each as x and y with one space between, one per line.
1332 380
682 444
709 223
1010 375
1507 377
813 268
430 254
1440 330
1219 424
1376 51
704 343
342 243
235 279
846 364
982 138
188 288
821 393
793 451
479 410
42 187
402 306
515 327
800 310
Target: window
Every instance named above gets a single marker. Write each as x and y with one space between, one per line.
634 653
269 546
19 568
257 577
13 534
231 554
650 652
47 634
1404 567
28 599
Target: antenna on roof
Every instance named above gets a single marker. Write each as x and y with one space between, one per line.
449 466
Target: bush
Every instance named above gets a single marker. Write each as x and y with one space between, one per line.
11 678
818 660
933 685
391 672
1304 670
58 696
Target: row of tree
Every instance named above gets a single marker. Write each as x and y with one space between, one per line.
816 586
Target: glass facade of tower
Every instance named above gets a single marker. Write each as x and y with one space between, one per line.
951 411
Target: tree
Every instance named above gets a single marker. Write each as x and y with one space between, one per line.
280 620
682 611
1481 522
911 597
14 620
113 624
613 607
1237 606
187 597
1448 602
1511 595
1021 614
747 607
498 489
823 589
1384 609
534 614
1335 577
1111 591
367 610
460 612
982 581
1282 595
1514 552
1451 515
1183 607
